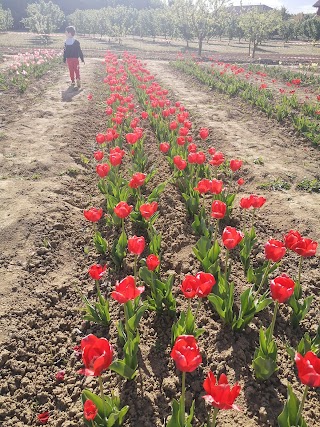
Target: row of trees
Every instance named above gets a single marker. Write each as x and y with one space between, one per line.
198 20
6 19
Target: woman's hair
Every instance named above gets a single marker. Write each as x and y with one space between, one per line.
71 30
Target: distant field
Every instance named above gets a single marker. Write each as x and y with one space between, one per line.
304 51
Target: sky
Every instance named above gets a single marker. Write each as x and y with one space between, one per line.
293 6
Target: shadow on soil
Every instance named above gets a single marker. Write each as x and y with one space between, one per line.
68 94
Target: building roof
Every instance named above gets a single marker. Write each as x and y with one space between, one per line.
317 4
245 8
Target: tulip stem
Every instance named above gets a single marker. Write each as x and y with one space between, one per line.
197 310
226 269
135 268
273 322
300 269
122 224
214 417
244 220
102 396
302 404
98 288
216 231
265 275
183 403
253 215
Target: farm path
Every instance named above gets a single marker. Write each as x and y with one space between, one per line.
270 152
38 167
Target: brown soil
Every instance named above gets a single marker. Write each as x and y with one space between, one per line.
46 250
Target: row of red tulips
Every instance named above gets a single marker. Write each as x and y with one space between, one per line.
194 178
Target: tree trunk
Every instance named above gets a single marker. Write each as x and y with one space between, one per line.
255 45
200 46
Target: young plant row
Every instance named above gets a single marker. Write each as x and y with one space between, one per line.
304 117
27 66
208 187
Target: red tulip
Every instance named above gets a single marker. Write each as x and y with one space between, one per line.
90 410
97 271
245 203
218 209
235 164
181 140
164 147
43 418
257 201
137 180
93 214
274 250
148 209
144 115
206 281
103 170
192 148
152 262
308 369
173 125
183 131
281 288
179 162
115 158
132 138
122 210
117 150
305 247
136 245
201 158
90 96
97 355
126 290
216 186
231 237
291 238
187 124
192 157
240 181
98 155
220 394
212 151
189 286
186 354
100 138
217 159
204 186
204 133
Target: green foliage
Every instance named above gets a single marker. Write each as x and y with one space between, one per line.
306 344
185 326
288 417
6 19
109 412
43 17
265 356
161 291
175 418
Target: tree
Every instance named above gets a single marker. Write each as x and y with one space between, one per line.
6 19
182 18
43 18
258 26
311 28
201 15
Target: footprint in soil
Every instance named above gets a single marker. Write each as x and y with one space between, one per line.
68 94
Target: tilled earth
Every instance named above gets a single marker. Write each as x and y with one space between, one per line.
46 249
